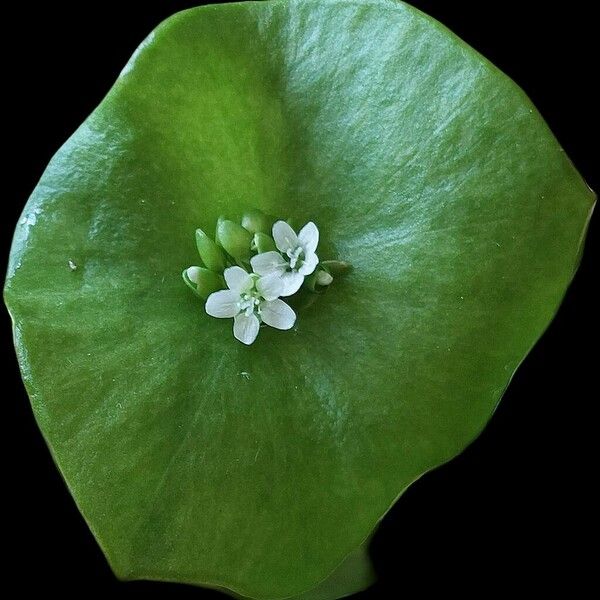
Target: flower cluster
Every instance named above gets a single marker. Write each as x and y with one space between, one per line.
248 268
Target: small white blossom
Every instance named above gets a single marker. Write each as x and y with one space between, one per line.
250 300
297 258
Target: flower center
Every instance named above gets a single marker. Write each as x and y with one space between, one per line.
296 257
249 302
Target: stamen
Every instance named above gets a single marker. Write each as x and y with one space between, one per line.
294 256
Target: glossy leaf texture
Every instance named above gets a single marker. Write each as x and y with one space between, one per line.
261 469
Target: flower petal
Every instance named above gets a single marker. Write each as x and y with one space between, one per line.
291 283
270 286
278 314
245 328
285 237
309 238
237 279
222 304
268 262
309 265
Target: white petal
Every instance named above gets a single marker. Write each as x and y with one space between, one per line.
246 328
291 283
309 265
237 279
270 286
309 238
192 274
222 304
268 262
278 314
285 237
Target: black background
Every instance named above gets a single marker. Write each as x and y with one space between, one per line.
513 512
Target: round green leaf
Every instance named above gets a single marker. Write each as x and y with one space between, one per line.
262 469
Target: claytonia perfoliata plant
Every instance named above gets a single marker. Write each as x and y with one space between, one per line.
246 271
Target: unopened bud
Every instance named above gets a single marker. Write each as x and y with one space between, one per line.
263 243
317 279
256 221
323 278
202 281
234 239
212 256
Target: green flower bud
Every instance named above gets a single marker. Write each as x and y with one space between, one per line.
323 278
235 239
202 281
256 221
263 243
212 256
318 279
219 221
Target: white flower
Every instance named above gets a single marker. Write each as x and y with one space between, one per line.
299 250
250 299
